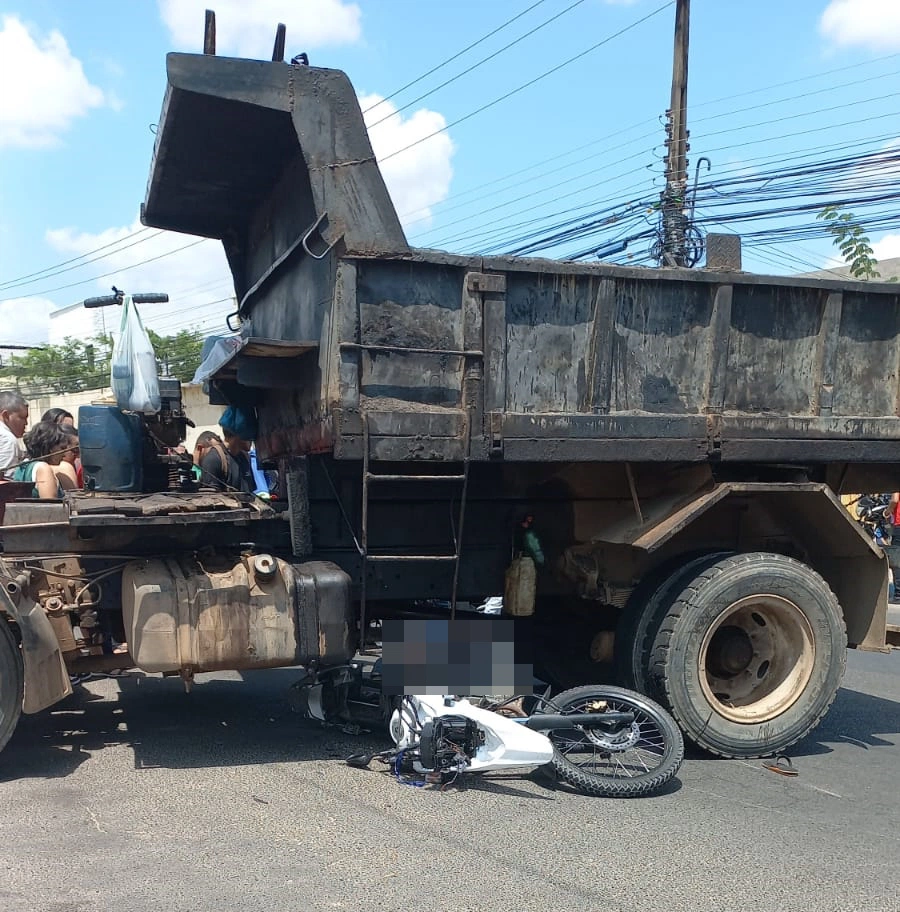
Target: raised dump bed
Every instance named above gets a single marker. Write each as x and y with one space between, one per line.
524 359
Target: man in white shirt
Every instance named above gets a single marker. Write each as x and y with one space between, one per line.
13 421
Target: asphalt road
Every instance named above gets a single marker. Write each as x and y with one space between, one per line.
135 796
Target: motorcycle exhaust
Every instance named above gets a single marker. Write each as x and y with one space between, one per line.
555 722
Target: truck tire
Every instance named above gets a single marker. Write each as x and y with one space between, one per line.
750 655
644 613
12 680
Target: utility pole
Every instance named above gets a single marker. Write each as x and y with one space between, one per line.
674 197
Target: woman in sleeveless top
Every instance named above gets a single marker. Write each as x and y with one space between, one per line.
46 444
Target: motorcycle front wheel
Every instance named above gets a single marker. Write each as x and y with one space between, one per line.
630 762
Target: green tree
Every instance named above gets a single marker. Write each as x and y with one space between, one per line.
78 365
178 355
852 241
74 366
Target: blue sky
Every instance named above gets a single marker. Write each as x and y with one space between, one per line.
82 85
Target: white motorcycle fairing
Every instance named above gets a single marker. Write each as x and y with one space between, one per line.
508 744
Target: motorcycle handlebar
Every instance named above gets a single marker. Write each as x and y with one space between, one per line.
109 300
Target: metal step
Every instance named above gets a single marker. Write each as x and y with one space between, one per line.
422 558
374 477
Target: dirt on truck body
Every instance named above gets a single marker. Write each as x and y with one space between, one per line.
679 439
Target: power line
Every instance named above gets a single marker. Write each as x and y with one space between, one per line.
472 233
492 210
46 291
479 63
779 85
817 181
637 139
641 123
22 279
531 82
718 182
456 56
51 274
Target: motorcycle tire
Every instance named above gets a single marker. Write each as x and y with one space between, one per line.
622 765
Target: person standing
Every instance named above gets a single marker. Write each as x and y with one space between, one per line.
13 421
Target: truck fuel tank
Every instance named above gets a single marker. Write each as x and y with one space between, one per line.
230 612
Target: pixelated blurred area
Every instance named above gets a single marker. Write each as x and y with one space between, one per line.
463 657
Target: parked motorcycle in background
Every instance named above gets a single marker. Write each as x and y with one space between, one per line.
877 515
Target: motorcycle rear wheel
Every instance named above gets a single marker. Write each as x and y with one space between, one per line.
631 763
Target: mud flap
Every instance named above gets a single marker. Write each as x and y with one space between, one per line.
46 678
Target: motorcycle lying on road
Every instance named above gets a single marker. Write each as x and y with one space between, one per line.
601 740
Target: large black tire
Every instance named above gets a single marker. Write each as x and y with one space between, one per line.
12 680
606 773
644 613
750 655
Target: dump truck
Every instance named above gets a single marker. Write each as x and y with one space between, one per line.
676 440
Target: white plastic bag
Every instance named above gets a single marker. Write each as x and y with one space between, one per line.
493 605
134 377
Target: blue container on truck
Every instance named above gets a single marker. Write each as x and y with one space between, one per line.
111 449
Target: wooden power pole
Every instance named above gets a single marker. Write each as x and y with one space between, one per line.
674 222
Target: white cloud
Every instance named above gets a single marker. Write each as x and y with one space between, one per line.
247 27
195 278
419 177
872 24
44 87
887 248
24 322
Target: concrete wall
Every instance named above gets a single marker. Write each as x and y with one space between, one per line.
196 405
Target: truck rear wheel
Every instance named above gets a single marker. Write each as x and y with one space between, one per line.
11 682
750 654
643 615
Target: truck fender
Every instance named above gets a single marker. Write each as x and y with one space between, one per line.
46 678
822 533
836 547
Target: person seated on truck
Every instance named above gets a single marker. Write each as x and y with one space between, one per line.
67 422
211 460
242 469
46 444
13 421
220 462
68 471
59 416
239 429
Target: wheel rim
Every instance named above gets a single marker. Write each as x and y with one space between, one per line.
637 750
757 658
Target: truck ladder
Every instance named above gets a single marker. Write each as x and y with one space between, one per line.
460 478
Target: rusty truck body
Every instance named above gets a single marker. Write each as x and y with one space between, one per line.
680 438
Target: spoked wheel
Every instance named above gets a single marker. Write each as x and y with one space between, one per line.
626 762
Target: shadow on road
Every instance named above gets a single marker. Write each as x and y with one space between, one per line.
240 722
220 723
854 718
